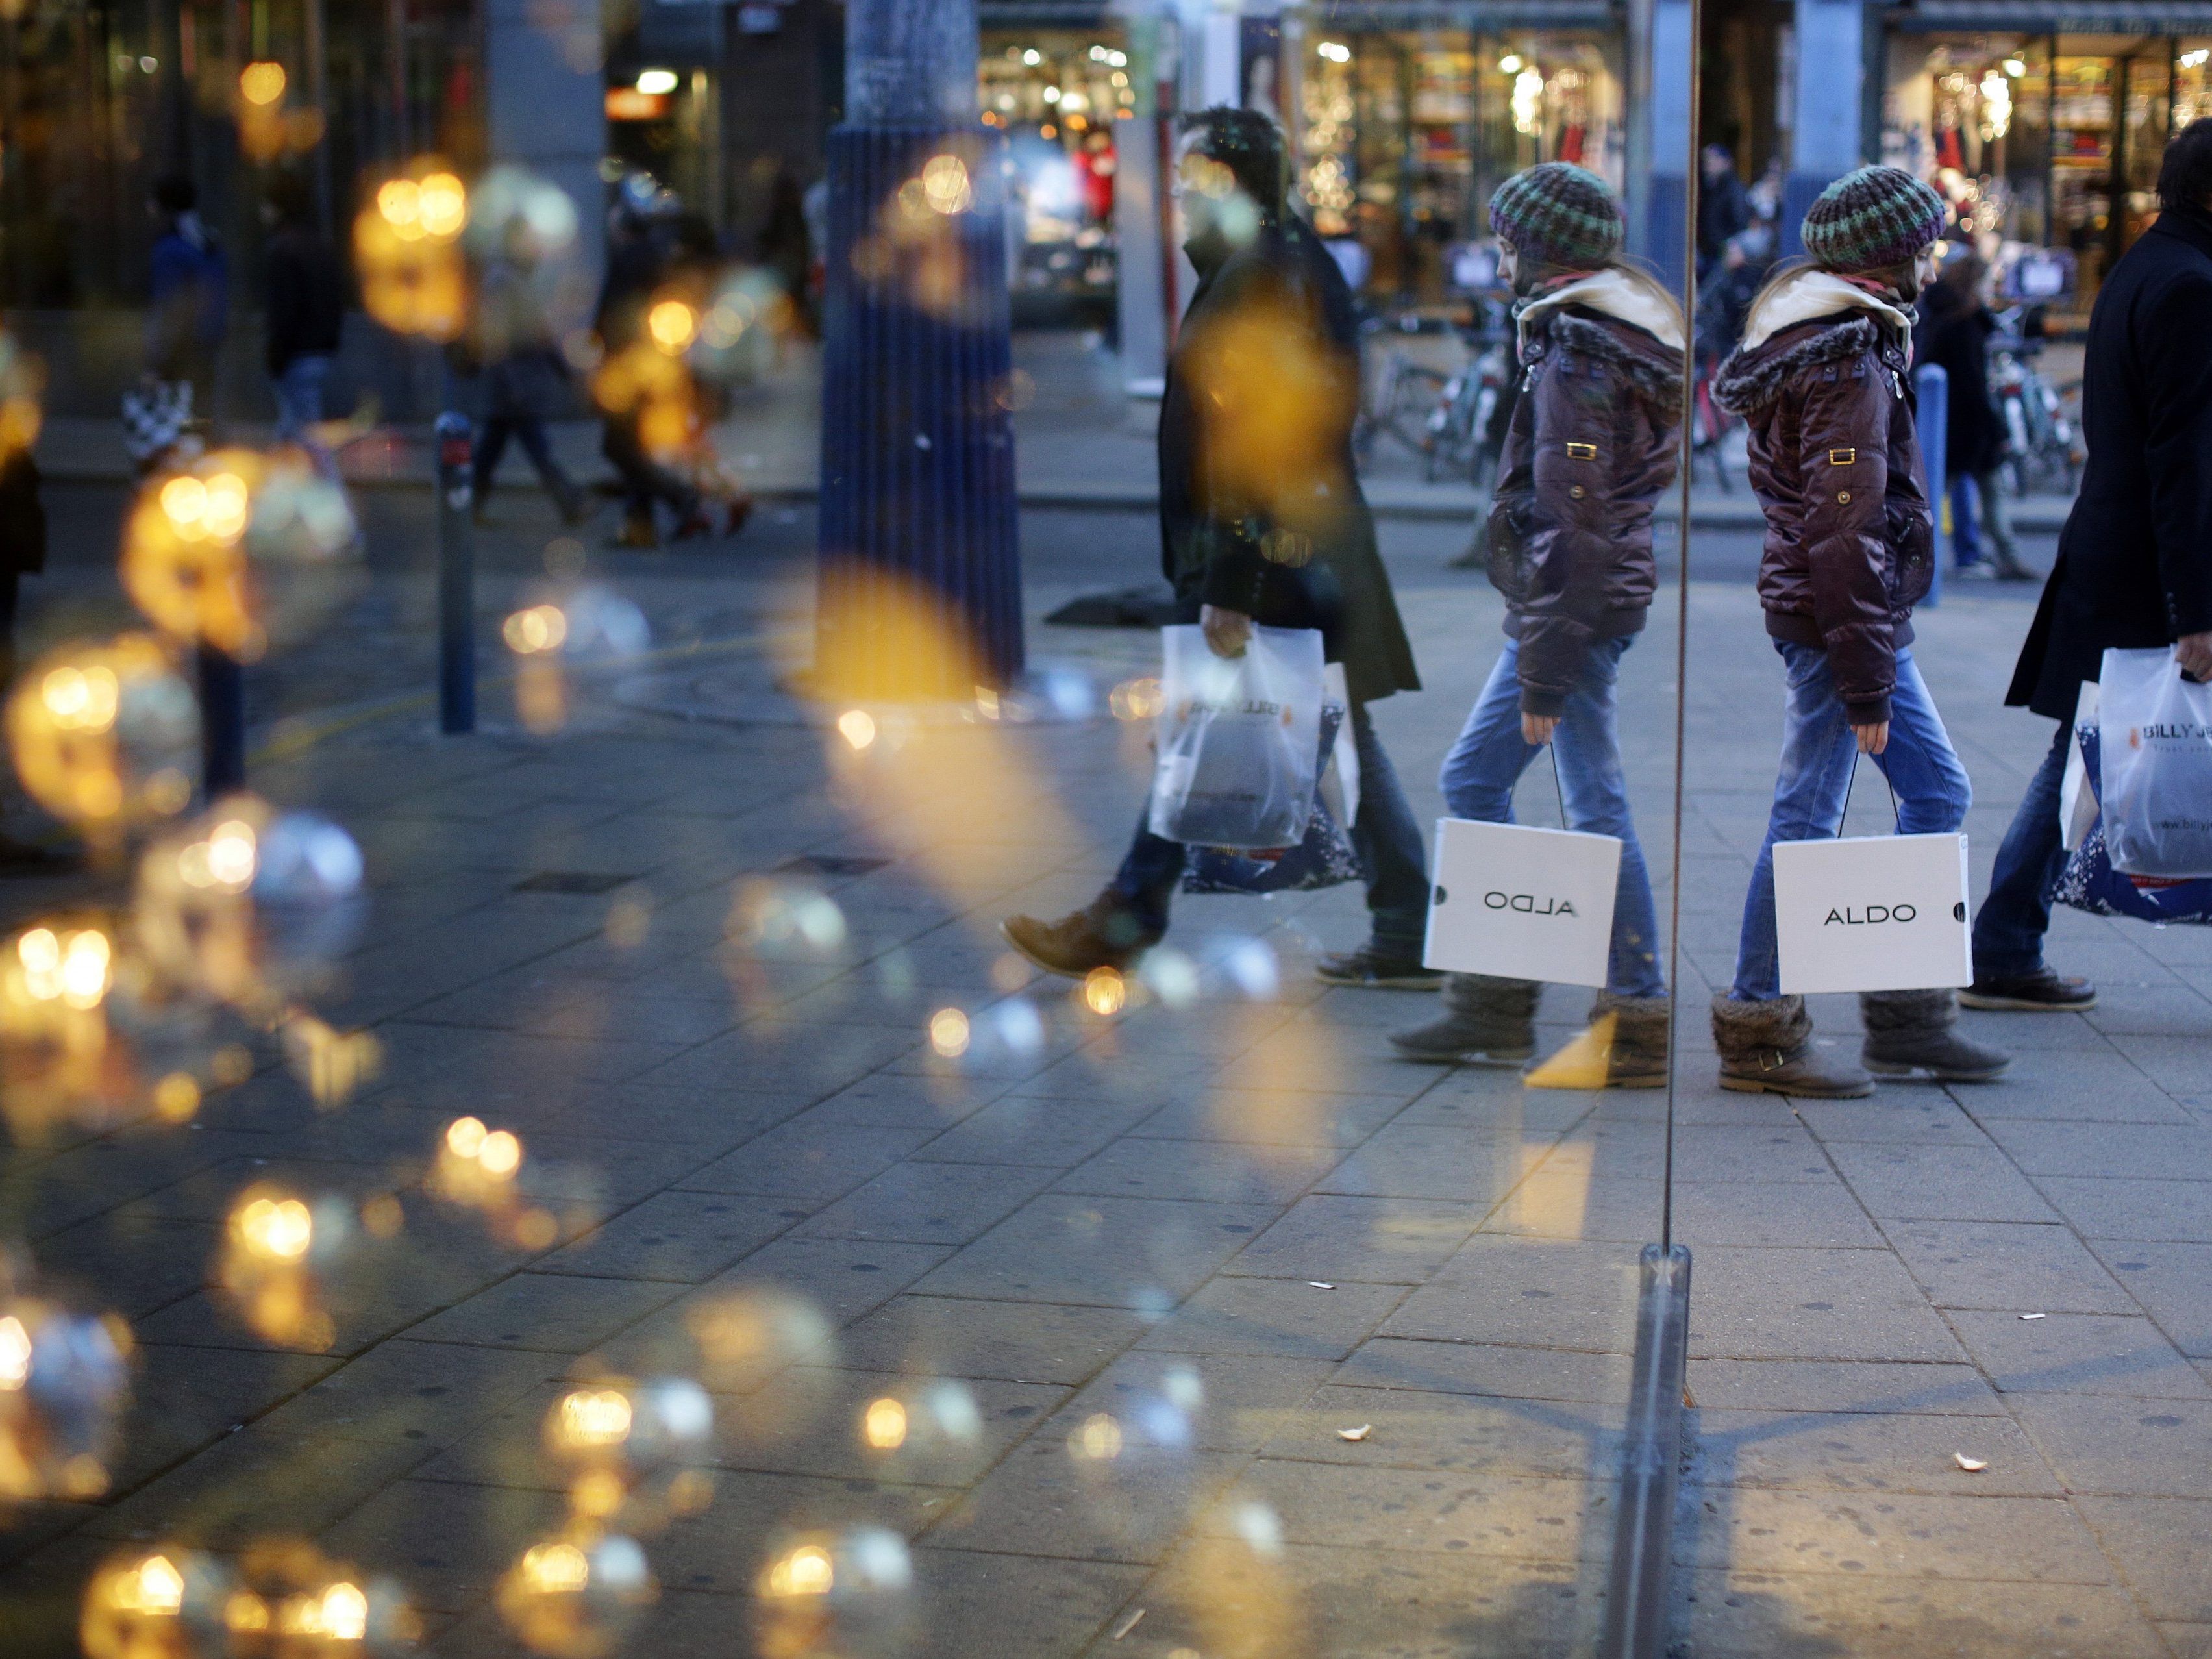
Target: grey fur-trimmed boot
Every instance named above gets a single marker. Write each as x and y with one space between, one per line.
1908 1032
1766 1048
1624 1047
1485 1021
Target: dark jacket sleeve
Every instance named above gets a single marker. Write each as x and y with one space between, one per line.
1573 458
1843 429
287 306
2178 387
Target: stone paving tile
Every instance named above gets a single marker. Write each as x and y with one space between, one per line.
1829 1385
1286 1317
1334 1603
1145 1254
2022 1266
1044 1499
1487 1369
449 1541
1864 1452
928 1203
1529 1293
2137 1448
1938 1184
809 1420
980 1605
2176 1212
1476 1164
257 1484
815 1161
2022 1540
2151 1152
2173 1284
1207 1402
1736 1614
1252 1116
552 1313
1561 1199
186 1398
1454 1434
424 1394
681 1237
2162 1547
1811 1304
1339 1239
1272 1173
1918 1120
2078 1353
1012 1342
1394 1509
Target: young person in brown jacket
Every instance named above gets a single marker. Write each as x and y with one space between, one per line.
1590 446
1822 379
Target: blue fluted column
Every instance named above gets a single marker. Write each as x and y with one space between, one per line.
920 588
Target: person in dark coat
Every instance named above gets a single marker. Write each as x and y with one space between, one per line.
2135 560
1591 444
303 297
526 377
1821 381
1262 522
22 553
637 264
188 293
1954 334
1723 205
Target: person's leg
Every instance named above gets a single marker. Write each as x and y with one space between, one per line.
618 442
1909 1032
1596 790
1996 518
1965 543
1489 756
2009 928
530 432
1144 884
1818 752
300 410
491 444
1388 838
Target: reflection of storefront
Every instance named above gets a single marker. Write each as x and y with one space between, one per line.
1405 132
2047 137
1055 93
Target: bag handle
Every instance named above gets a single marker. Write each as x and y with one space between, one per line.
1896 812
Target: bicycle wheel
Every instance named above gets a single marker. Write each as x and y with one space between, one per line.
1414 397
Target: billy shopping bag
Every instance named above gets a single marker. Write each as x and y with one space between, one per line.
1522 902
1324 859
2088 881
2154 783
1239 740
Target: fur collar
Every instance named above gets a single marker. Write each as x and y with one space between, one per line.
1753 376
1651 372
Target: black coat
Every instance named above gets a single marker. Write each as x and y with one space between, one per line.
23 518
1261 509
306 296
1954 336
2134 560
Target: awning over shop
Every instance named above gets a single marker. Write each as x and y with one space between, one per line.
1045 14
2024 17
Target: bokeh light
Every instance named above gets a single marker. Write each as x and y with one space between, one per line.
106 736
576 1595
64 1386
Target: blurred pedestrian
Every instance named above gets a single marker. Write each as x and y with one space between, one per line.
1955 326
188 299
785 247
1262 523
525 376
1723 206
22 553
303 301
697 272
1725 295
2134 560
637 262
1590 446
1822 380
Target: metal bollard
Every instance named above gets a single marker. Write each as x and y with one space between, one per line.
222 723
1933 388
457 575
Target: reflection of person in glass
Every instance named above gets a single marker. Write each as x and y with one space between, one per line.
1590 445
1262 521
1820 379
2135 561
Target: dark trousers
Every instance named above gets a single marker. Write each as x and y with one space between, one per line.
645 481
2009 928
1384 833
529 431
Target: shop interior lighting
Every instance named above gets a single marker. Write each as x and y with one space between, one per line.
1032 57
656 83
2195 59
1118 59
1528 102
1996 105
1509 65
1052 94
2015 67
1335 51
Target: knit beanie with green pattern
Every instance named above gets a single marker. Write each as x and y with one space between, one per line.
1558 214
1873 220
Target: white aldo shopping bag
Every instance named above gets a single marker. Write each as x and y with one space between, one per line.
1874 913
1521 902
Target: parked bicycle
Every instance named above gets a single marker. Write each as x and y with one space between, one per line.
2040 435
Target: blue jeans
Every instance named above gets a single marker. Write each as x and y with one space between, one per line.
1383 833
1490 756
2009 928
1819 754
300 408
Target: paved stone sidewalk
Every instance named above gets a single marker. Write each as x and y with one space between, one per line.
1167 1256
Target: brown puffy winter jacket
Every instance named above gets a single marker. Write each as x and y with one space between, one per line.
1835 462
1588 449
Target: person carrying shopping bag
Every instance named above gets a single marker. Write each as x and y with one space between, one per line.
1822 381
1591 444
1262 523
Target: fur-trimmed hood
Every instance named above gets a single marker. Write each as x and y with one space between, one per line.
1636 328
1777 344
